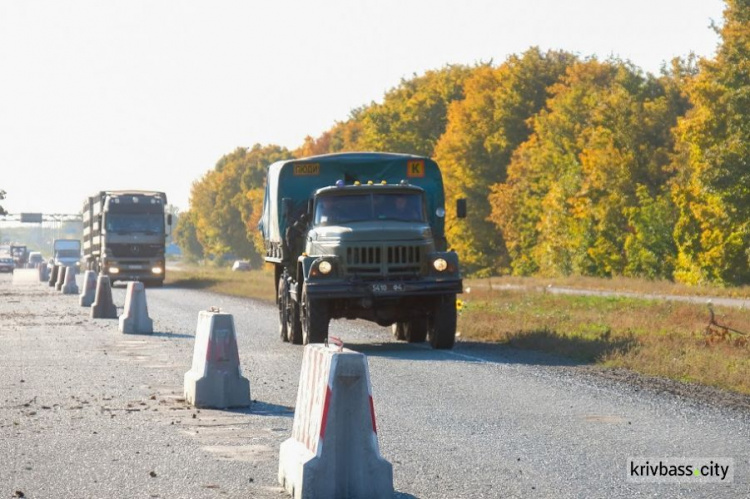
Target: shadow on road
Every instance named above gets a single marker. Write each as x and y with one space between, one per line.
538 348
259 408
192 283
172 335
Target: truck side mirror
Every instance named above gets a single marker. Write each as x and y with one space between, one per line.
169 219
286 209
461 208
309 209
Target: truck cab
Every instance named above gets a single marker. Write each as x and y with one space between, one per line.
67 252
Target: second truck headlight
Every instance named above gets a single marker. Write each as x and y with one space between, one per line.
440 264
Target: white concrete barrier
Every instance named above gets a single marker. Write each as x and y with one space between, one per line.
60 278
215 379
134 318
103 306
43 270
333 451
69 286
54 272
86 298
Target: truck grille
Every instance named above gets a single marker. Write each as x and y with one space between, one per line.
121 250
400 261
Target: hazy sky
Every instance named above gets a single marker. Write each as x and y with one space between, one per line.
98 95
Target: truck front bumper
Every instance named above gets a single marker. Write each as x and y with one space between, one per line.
385 289
132 271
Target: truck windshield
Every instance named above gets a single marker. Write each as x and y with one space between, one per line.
68 253
404 207
135 222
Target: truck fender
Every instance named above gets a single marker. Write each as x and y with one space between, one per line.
306 263
449 256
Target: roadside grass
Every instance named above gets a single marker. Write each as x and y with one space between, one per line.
652 337
254 284
615 284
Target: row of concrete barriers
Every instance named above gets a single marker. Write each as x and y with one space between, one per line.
97 294
333 451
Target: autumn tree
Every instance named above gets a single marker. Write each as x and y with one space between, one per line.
712 189
484 128
225 201
583 193
185 235
412 116
344 136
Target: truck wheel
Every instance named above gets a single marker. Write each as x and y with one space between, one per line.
294 325
314 318
443 323
416 330
397 328
283 310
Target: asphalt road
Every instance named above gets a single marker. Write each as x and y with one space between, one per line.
88 412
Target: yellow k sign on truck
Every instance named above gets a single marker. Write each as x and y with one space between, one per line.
361 236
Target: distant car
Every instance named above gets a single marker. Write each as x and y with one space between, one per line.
35 258
7 264
241 265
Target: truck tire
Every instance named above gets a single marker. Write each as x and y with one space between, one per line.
290 328
283 296
314 318
293 325
397 328
416 330
442 326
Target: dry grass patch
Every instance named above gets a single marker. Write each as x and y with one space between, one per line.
655 337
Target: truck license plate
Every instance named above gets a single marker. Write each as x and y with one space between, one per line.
136 267
387 288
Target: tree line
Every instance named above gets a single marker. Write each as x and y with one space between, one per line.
570 165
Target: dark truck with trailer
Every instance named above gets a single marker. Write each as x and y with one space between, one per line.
124 234
361 236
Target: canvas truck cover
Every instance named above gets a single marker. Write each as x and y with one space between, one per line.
298 179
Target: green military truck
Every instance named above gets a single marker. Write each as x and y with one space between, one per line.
361 236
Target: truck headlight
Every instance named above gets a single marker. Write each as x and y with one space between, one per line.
440 264
325 267
156 270
114 270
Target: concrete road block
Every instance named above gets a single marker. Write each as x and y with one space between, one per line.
333 451
103 306
43 272
86 298
52 278
215 379
60 278
135 319
69 286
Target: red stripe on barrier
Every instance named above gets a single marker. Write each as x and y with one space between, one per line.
325 412
372 414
